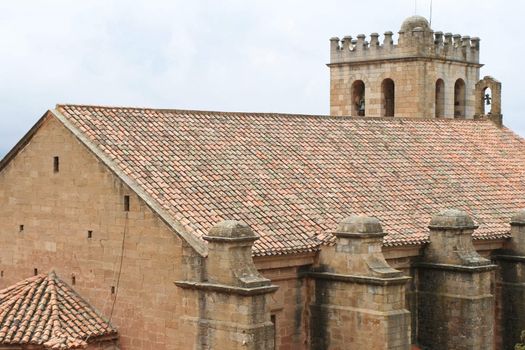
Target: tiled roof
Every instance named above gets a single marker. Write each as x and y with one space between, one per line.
292 178
44 311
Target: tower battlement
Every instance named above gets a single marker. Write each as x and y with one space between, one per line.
416 40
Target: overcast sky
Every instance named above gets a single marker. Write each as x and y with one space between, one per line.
234 55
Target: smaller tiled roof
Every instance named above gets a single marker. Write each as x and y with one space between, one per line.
44 311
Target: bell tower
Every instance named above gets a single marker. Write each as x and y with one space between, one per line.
426 74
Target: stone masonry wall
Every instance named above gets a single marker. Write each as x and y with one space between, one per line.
415 86
58 209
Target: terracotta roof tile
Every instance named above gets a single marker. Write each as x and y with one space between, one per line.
292 178
43 310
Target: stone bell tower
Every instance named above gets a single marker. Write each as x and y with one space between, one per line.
426 74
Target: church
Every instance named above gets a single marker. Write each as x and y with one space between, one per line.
396 222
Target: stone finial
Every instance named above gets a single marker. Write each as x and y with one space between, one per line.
448 39
452 219
359 226
374 40
230 230
347 42
438 38
457 40
475 42
361 44
358 249
451 240
229 259
465 41
388 41
517 231
334 43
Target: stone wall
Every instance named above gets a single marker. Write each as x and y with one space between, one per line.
59 209
511 285
415 86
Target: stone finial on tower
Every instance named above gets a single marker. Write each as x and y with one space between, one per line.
361 42
347 42
448 39
438 38
457 40
374 40
388 42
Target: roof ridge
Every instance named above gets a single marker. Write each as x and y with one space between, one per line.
270 114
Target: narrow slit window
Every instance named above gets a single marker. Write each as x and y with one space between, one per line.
21 228
35 271
126 203
112 289
56 164
2 273
73 280
90 234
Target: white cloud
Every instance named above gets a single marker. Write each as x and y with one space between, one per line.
260 55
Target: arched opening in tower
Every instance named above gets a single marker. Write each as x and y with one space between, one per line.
459 99
487 101
440 99
358 98
388 97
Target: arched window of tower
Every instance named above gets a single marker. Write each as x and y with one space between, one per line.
388 97
459 99
358 98
440 99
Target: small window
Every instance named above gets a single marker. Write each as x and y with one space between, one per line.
35 271
21 228
112 289
73 280
126 203
90 234
56 164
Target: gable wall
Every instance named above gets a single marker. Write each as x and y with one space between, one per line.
58 209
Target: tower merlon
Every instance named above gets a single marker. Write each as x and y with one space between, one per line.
413 42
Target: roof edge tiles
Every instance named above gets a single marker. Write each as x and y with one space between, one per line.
44 311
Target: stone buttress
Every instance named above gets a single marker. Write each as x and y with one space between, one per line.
455 301
359 300
228 308
511 284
